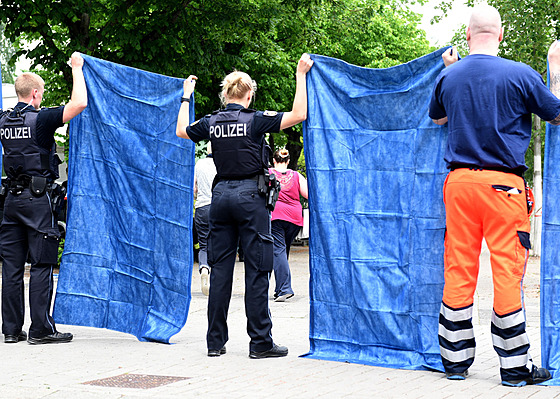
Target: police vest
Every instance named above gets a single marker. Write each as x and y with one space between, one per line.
22 153
236 153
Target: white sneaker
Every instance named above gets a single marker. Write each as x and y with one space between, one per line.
205 281
283 298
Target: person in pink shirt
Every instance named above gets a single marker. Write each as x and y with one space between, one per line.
287 220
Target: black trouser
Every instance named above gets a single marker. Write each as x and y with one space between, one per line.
28 228
238 212
284 233
202 228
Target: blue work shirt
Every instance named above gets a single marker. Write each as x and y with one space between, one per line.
488 101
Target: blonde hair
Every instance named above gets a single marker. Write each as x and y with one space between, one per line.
235 86
26 82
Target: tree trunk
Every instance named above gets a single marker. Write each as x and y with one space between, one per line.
271 144
536 219
293 146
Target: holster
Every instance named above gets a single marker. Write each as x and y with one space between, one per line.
272 193
57 193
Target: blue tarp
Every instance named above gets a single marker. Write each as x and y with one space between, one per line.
128 257
550 256
375 166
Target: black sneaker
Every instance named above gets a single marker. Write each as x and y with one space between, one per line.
14 339
457 376
216 352
538 375
55 338
275 351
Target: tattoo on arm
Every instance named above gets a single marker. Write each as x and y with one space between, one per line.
555 89
555 83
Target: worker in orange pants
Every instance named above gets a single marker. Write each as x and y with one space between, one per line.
486 102
492 205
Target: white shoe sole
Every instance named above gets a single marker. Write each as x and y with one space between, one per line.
205 282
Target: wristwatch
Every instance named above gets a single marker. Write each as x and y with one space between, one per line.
185 100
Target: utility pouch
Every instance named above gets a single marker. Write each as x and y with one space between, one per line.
38 185
262 184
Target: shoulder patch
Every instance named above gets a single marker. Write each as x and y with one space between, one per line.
194 123
270 113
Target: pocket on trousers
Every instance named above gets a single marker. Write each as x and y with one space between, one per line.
266 252
43 247
524 239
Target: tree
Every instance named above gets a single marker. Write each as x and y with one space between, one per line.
530 26
8 63
211 38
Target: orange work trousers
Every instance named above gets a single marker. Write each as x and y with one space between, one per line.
492 205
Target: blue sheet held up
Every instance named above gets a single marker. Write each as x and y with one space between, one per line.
375 166
128 257
550 256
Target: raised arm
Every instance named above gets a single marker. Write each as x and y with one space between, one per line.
302 186
183 117
78 99
450 56
554 65
299 108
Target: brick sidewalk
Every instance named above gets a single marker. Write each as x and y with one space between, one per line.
62 371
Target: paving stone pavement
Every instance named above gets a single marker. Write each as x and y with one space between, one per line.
62 371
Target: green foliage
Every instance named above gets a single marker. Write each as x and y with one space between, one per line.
210 38
60 251
8 49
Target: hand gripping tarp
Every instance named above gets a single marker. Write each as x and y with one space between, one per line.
127 262
375 165
550 256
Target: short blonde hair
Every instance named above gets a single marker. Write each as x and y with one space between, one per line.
236 85
26 82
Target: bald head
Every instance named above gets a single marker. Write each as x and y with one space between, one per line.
485 19
484 32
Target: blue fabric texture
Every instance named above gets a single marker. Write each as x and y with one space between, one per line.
127 262
376 171
550 256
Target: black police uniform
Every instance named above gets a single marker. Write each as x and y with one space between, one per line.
238 212
29 229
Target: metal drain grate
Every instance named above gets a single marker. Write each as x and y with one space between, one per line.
138 381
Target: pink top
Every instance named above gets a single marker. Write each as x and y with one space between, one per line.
288 207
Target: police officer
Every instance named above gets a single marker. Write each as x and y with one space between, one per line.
29 227
238 210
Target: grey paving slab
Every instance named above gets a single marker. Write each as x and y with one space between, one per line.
60 371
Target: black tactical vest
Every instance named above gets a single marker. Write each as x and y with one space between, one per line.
22 153
236 153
